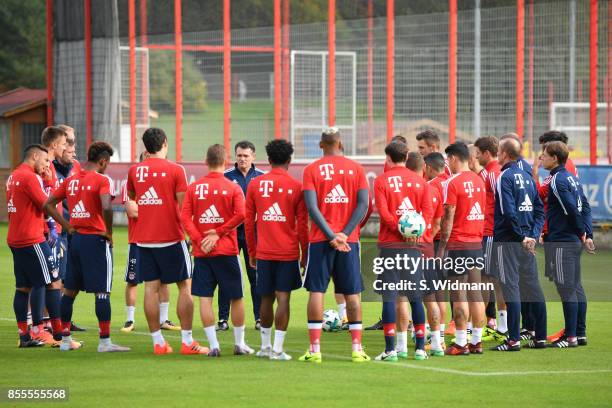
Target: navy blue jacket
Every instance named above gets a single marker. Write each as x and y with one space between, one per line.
519 212
237 177
62 172
524 165
569 212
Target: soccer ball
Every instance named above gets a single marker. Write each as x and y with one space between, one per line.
411 225
331 321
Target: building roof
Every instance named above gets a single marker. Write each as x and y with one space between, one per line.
21 99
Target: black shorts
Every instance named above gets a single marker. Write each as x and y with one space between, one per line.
90 261
168 264
458 262
223 271
34 266
281 276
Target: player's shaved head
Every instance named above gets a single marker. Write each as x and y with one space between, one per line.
435 160
397 152
415 162
215 156
513 136
511 148
32 149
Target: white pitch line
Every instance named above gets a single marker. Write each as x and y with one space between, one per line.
420 366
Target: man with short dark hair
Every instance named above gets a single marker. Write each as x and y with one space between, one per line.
429 142
212 209
336 193
569 230
519 217
89 194
276 227
33 262
243 172
461 240
158 186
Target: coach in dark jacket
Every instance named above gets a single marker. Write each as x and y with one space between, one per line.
519 217
569 229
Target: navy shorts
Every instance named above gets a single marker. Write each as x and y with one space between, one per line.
61 255
490 260
563 263
281 276
325 263
458 262
407 277
90 260
518 273
223 270
169 264
131 271
34 266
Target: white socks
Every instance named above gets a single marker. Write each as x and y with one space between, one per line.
158 338
211 335
342 311
266 335
435 340
187 337
469 325
239 335
502 321
163 312
279 340
402 341
130 313
461 337
105 342
476 335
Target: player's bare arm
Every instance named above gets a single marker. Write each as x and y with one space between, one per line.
50 207
445 228
107 213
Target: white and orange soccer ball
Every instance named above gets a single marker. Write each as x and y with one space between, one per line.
411 224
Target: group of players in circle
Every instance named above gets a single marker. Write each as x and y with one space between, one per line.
481 201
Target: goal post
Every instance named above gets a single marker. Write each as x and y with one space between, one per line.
309 92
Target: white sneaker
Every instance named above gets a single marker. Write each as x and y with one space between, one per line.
243 349
420 355
67 344
111 348
264 352
282 356
384 356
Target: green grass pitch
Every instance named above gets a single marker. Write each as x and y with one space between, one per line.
566 377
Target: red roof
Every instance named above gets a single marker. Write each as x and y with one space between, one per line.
20 99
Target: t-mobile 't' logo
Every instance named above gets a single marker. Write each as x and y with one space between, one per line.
326 170
395 182
469 188
201 190
142 172
266 187
73 187
518 179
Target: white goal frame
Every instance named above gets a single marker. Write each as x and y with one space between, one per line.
352 126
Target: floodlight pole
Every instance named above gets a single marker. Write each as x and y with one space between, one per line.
390 67
452 70
331 43
593 80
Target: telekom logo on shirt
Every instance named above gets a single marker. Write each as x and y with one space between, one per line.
469 188
395 182
201 190
142 172
265 187
326 170
73 187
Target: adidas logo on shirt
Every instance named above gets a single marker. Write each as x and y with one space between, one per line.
336 195
79 211
404 207
476 213
11 207
274 213
211 216
150 197
526 205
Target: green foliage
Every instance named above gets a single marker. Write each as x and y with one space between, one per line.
162 80
22 35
